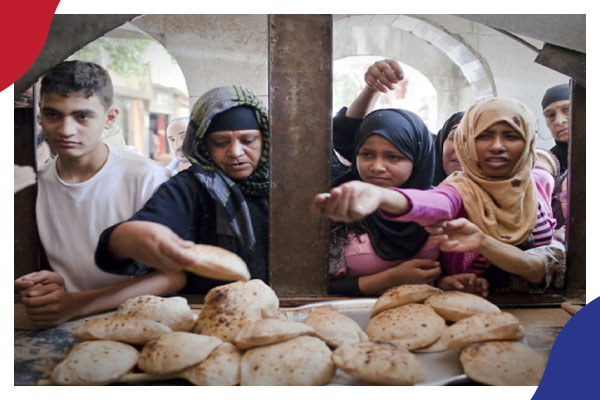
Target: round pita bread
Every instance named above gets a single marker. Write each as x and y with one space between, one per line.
454 305
120 328
229 308
269 331
217 263
436 347
401 295
335 328
503 363
221 368
175 351
97 362
411 326
482 327
171 311
381 363
302 361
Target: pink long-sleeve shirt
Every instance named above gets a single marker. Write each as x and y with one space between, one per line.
445 203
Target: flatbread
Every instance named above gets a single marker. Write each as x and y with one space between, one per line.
454 305
401 295
171 311
381 363
483 327
121 328
304 360
436 347
503 363
335 328
217 263
220 368
97 362
229 308
175 351
411 326
269 331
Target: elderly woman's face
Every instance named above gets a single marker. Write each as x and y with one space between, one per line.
449 159
236 153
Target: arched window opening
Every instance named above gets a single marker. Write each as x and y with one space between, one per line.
149 91
415 93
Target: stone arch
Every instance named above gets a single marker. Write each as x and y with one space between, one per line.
459 73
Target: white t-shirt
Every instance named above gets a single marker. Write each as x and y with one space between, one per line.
70 217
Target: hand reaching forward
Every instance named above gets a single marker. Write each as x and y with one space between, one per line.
416 271
383 75
152 244
351 201
459 235
465 282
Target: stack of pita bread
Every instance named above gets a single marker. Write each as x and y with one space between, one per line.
241 338
238 338
414 318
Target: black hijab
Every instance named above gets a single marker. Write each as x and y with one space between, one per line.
393 240
439 173
558 93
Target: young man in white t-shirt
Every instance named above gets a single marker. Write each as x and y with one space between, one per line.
87 188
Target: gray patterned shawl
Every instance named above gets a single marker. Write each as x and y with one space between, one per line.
233 216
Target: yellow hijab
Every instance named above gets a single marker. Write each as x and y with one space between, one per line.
504 208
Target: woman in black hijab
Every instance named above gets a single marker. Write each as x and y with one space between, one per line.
446 161
393 148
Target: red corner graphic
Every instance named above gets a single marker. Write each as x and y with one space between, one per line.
24 28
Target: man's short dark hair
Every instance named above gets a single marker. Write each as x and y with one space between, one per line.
82 77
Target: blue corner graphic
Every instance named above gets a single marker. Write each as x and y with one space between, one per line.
571 369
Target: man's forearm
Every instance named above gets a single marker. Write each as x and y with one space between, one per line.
107 298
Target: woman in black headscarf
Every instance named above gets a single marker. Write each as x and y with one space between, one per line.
446 161
556 105
393 148
222 199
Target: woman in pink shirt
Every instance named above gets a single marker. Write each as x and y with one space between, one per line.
505 204
392 148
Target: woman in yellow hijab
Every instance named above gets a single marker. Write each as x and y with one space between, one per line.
503 201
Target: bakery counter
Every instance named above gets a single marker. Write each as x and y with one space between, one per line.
38 351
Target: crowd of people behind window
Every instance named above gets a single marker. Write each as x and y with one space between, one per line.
476 208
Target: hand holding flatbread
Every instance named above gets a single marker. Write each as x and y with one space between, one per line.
217 263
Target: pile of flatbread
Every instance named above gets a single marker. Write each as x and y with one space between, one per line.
415 318
241 337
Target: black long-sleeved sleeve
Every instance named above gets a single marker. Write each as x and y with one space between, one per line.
176 204
344 133
345 286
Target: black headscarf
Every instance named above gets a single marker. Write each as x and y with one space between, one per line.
439 173
232 212
393 240
558 93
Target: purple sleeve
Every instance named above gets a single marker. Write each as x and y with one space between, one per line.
428 207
